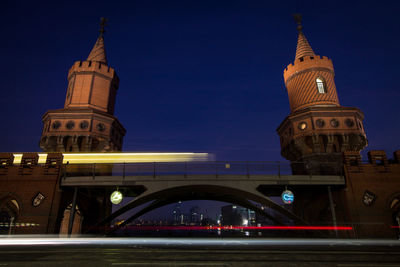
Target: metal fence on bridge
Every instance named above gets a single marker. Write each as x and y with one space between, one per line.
217 168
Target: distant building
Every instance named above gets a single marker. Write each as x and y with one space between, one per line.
236 215
177 215
195 216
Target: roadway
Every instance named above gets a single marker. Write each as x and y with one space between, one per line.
197 252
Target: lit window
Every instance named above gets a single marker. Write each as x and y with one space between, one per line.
320 86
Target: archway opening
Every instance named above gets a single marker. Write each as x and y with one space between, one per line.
254 203
9 212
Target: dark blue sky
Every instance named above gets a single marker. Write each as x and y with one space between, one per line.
201 76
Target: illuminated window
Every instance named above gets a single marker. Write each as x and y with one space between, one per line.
321 86
302 125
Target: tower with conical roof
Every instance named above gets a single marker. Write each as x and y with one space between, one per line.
87 121
318 129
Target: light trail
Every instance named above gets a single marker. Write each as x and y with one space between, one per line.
196 228
170 242
125 157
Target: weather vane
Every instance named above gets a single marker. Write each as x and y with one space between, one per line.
103 23
298 17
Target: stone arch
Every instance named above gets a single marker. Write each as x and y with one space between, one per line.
68 143
52 143
337 143
324 142
309 143
9 213
81 143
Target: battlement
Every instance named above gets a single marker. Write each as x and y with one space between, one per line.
95 66
377 162
308 62
30 163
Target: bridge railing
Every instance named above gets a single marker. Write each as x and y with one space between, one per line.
217 168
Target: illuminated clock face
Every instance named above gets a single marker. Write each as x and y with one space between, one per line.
116 197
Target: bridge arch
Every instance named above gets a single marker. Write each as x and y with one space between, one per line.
158 198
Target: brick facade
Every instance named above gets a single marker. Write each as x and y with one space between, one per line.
87 121
317 129
368 202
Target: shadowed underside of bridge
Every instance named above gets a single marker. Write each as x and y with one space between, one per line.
153 199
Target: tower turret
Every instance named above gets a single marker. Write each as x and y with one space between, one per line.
318 129
87 122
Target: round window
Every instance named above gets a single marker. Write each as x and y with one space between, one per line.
320 123
349 122
70 125
302 125
334 123
56 125
101 127
84 124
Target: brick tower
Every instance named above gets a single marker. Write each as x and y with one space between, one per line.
318 129
87 121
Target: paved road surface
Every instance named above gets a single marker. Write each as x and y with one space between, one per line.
197 252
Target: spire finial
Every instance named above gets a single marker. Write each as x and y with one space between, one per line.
98 52
297 18
103 23
303 47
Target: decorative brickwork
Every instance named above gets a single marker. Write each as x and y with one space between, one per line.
369 196
369 202
318 129
300 80
6 160
87 121
53 163
20 185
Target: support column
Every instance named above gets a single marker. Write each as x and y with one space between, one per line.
316 144
72 212
346 143
332 206
75 146
329 145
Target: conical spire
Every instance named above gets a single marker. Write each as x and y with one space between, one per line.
303 47
98 52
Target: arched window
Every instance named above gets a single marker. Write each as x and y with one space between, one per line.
321 85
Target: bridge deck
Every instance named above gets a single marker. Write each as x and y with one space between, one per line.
105 180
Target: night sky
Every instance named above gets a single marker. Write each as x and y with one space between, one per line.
199 76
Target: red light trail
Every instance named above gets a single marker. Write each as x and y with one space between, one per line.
329 228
